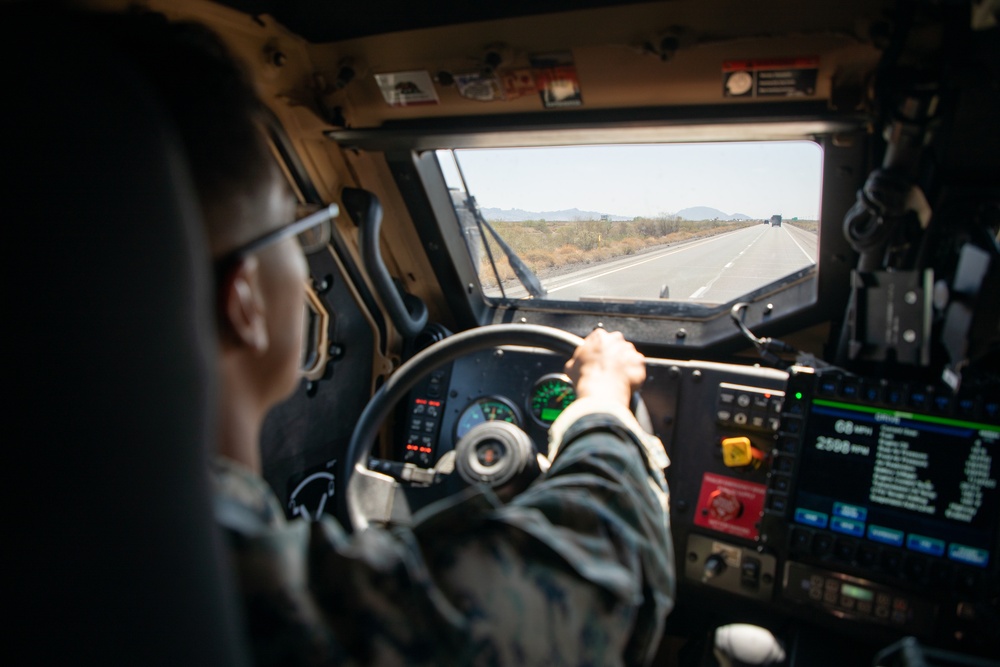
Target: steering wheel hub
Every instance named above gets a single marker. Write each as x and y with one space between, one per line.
494 453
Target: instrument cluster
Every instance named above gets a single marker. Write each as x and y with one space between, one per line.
517 386
548 397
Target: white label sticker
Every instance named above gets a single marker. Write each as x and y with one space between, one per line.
403 89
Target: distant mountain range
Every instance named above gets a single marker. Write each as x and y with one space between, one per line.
572 214
566 215
708 213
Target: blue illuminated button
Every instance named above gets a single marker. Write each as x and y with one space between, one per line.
885 535
894 396
847 526
925 545
872 393
850 512
970 555
811 517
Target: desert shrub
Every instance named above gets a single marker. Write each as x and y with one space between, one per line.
568 254
537 259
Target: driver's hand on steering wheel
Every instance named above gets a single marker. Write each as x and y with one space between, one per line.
606 367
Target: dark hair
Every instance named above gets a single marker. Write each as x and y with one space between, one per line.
216 111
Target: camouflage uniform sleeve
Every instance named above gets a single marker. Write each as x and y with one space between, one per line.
576 570
314 596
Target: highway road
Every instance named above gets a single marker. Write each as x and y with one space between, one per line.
713 270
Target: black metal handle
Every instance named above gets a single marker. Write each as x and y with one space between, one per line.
407 312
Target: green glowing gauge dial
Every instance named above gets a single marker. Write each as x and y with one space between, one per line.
550 396
486 409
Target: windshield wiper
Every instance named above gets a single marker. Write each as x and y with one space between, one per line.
523 272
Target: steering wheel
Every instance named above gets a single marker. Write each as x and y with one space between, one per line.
370 494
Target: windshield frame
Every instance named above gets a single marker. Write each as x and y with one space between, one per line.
556 245
792 302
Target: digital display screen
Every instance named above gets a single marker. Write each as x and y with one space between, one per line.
919 482
857 592
549 415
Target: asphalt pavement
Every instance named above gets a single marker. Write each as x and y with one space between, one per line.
716 269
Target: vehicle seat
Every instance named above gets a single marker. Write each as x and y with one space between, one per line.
112 554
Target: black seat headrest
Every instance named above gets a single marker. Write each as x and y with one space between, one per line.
107 301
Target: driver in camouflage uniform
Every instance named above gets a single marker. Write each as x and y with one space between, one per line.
577 569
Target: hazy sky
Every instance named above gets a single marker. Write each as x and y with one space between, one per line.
758 179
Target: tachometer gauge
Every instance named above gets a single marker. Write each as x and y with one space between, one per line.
486 409
549 397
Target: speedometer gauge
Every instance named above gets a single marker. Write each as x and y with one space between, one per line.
549 397
486 409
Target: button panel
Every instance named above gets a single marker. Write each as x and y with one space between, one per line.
751 408
859 599
779 481
729 567
422 426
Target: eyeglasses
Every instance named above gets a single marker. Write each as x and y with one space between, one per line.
313 232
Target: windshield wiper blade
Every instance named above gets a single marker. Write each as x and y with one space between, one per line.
521 270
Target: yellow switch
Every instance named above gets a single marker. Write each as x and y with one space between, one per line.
738 452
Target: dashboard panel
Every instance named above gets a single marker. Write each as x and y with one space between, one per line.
509 384
822 498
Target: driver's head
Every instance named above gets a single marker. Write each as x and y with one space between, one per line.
242 195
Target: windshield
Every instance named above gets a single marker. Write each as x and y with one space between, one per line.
686 222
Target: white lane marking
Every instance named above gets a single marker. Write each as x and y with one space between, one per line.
813 261
707 286
639 263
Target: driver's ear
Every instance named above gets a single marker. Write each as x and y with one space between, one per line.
242 306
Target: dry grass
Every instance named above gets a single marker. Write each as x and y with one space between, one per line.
808 225
546 246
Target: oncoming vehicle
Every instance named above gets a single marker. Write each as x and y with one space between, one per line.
510 178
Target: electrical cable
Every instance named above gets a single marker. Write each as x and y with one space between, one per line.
766 346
